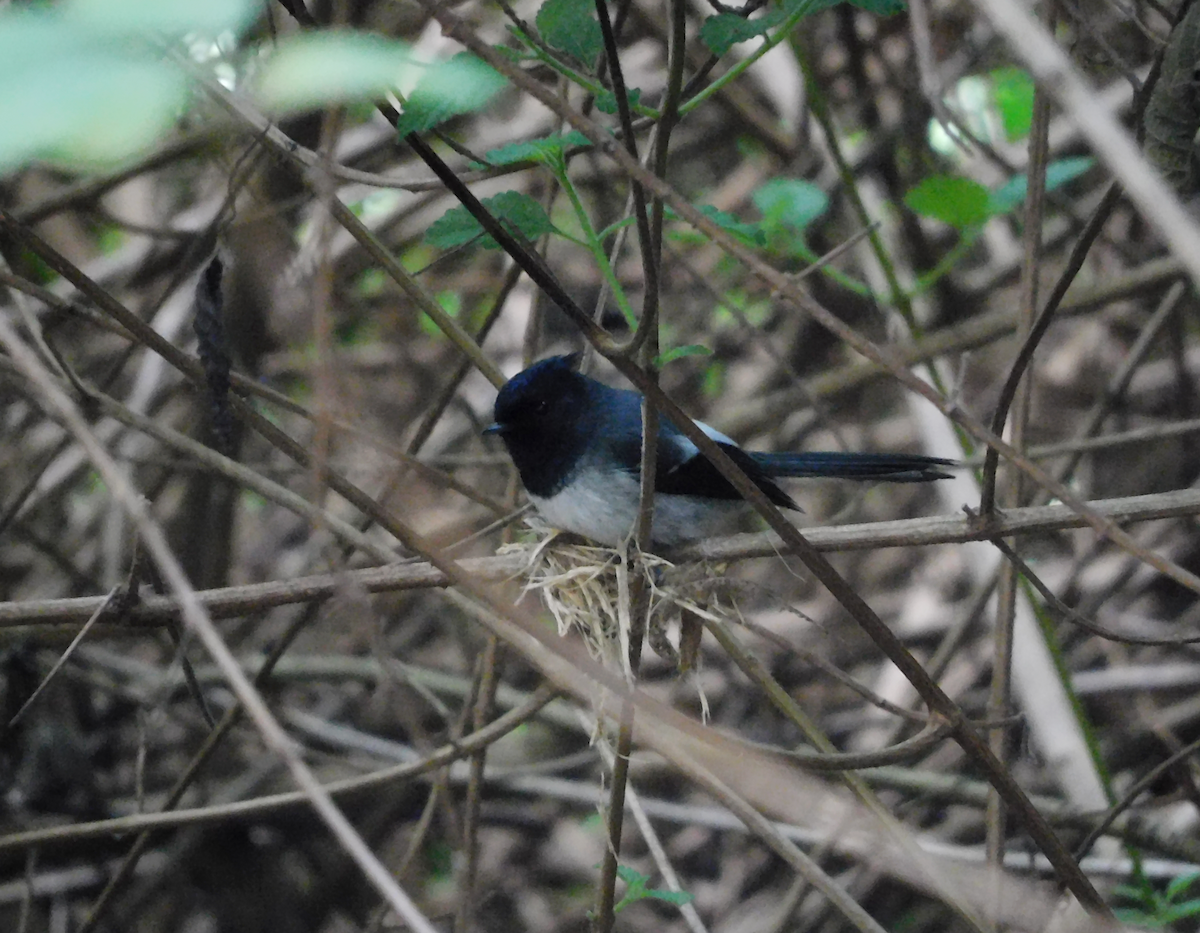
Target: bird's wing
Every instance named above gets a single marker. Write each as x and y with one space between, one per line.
682 470
680 467
694 475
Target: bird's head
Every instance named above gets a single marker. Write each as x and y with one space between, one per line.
542 402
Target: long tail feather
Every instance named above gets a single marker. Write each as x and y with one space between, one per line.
892 468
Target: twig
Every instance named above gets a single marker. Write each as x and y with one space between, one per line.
199 622
239 600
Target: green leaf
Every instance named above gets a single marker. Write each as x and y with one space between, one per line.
90 111
84 83
519 213
1182 911
1012 95
311 69
1179 885
176 17
1065 170
536 150
570 26
1129 892
677 353
790 202
448 89
959 202
751 234
725 30
606 101
1011 195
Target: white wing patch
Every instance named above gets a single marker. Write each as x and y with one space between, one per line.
686 449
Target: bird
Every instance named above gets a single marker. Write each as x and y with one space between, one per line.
577 445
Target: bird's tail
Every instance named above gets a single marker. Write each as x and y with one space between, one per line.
892 468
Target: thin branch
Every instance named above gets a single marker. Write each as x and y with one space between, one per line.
233 601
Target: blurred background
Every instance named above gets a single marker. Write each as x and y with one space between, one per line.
877 153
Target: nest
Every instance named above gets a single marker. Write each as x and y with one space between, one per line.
588 587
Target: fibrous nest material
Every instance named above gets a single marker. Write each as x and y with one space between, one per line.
589 588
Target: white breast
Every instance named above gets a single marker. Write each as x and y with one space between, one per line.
603 507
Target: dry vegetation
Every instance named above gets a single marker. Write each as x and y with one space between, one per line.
320 516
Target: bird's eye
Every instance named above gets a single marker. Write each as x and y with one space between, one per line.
542 407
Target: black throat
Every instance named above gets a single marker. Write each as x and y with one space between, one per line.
546 460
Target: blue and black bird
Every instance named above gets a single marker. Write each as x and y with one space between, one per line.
577 444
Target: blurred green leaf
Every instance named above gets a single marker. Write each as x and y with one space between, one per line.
535 150
91 110
519 213
1179 885
1012 94
1011 195
714 378
959 202
85 83
790 202
749 233
638 889
448 89
570 26
677 353
311 69
1182 911
169 16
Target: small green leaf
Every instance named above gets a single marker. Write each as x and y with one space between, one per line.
606 101
1065 170
677 353
1182 911
1011 195
519 213
751 234
171 16
725 30
308 70
535 150
1179 885
1135 917
1012 95
448 89
570 26
959 202
790 202
1129 892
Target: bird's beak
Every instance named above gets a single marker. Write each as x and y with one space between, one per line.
494 428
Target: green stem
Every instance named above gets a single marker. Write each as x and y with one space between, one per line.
801 250
769 42
595 245
928 279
